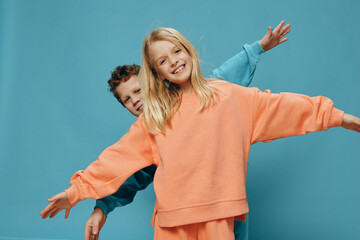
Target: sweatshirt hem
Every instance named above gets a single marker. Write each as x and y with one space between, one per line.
197 214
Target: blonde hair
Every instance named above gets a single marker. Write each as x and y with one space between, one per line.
161 97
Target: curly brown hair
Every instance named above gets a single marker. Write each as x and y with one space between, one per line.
122 74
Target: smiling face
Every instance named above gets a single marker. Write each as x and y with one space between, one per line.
172 62
130 95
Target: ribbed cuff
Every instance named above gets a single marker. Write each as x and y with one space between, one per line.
336 118
74 194
102 206
254 49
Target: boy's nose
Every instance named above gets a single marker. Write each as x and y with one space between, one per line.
135 101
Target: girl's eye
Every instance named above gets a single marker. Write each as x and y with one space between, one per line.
177 51
162 62
127 99
139 90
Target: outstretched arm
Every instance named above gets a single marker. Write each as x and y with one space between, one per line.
289 114
105 175
240 68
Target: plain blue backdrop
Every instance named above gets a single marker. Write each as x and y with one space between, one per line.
57 115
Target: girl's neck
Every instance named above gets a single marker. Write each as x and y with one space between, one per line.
187 87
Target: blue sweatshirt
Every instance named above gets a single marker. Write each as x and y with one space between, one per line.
239 69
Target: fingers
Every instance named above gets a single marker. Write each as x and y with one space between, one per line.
281 31
93 237
45 212
283 40
55 212
67 213
285 30
51 212
88 230
278 27
55 197
284 33
275 37
95 229
269 32
287 26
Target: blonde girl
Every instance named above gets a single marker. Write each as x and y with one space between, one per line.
198 132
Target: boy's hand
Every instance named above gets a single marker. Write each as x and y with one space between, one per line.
275 37
351 122
94 224
58 202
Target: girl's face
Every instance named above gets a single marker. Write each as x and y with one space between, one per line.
172 62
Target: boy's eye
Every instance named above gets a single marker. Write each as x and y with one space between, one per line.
177 51
126 99
162 62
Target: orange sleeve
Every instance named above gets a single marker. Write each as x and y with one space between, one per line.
289 114
134 151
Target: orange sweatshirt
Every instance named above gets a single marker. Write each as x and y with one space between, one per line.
202 160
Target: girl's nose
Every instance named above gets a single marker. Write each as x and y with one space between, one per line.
173 61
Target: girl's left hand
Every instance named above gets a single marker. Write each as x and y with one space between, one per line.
351 122
275 37
58 202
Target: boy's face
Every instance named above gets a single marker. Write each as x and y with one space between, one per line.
130 95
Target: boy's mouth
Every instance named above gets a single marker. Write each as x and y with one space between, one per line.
140 108
179 69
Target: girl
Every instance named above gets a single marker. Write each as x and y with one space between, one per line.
198 132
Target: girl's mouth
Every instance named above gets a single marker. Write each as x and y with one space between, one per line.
179 69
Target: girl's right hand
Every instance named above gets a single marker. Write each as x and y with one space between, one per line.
58 202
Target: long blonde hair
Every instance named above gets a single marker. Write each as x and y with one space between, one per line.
161 97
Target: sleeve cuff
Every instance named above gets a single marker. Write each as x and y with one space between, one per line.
255 49
336 118
102 206
258 47
73 193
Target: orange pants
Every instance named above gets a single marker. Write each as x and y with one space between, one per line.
213 230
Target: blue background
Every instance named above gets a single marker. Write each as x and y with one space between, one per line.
57 115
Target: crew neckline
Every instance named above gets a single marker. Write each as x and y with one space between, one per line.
192 93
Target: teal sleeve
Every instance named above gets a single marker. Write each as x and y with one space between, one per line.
240 68
126 193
